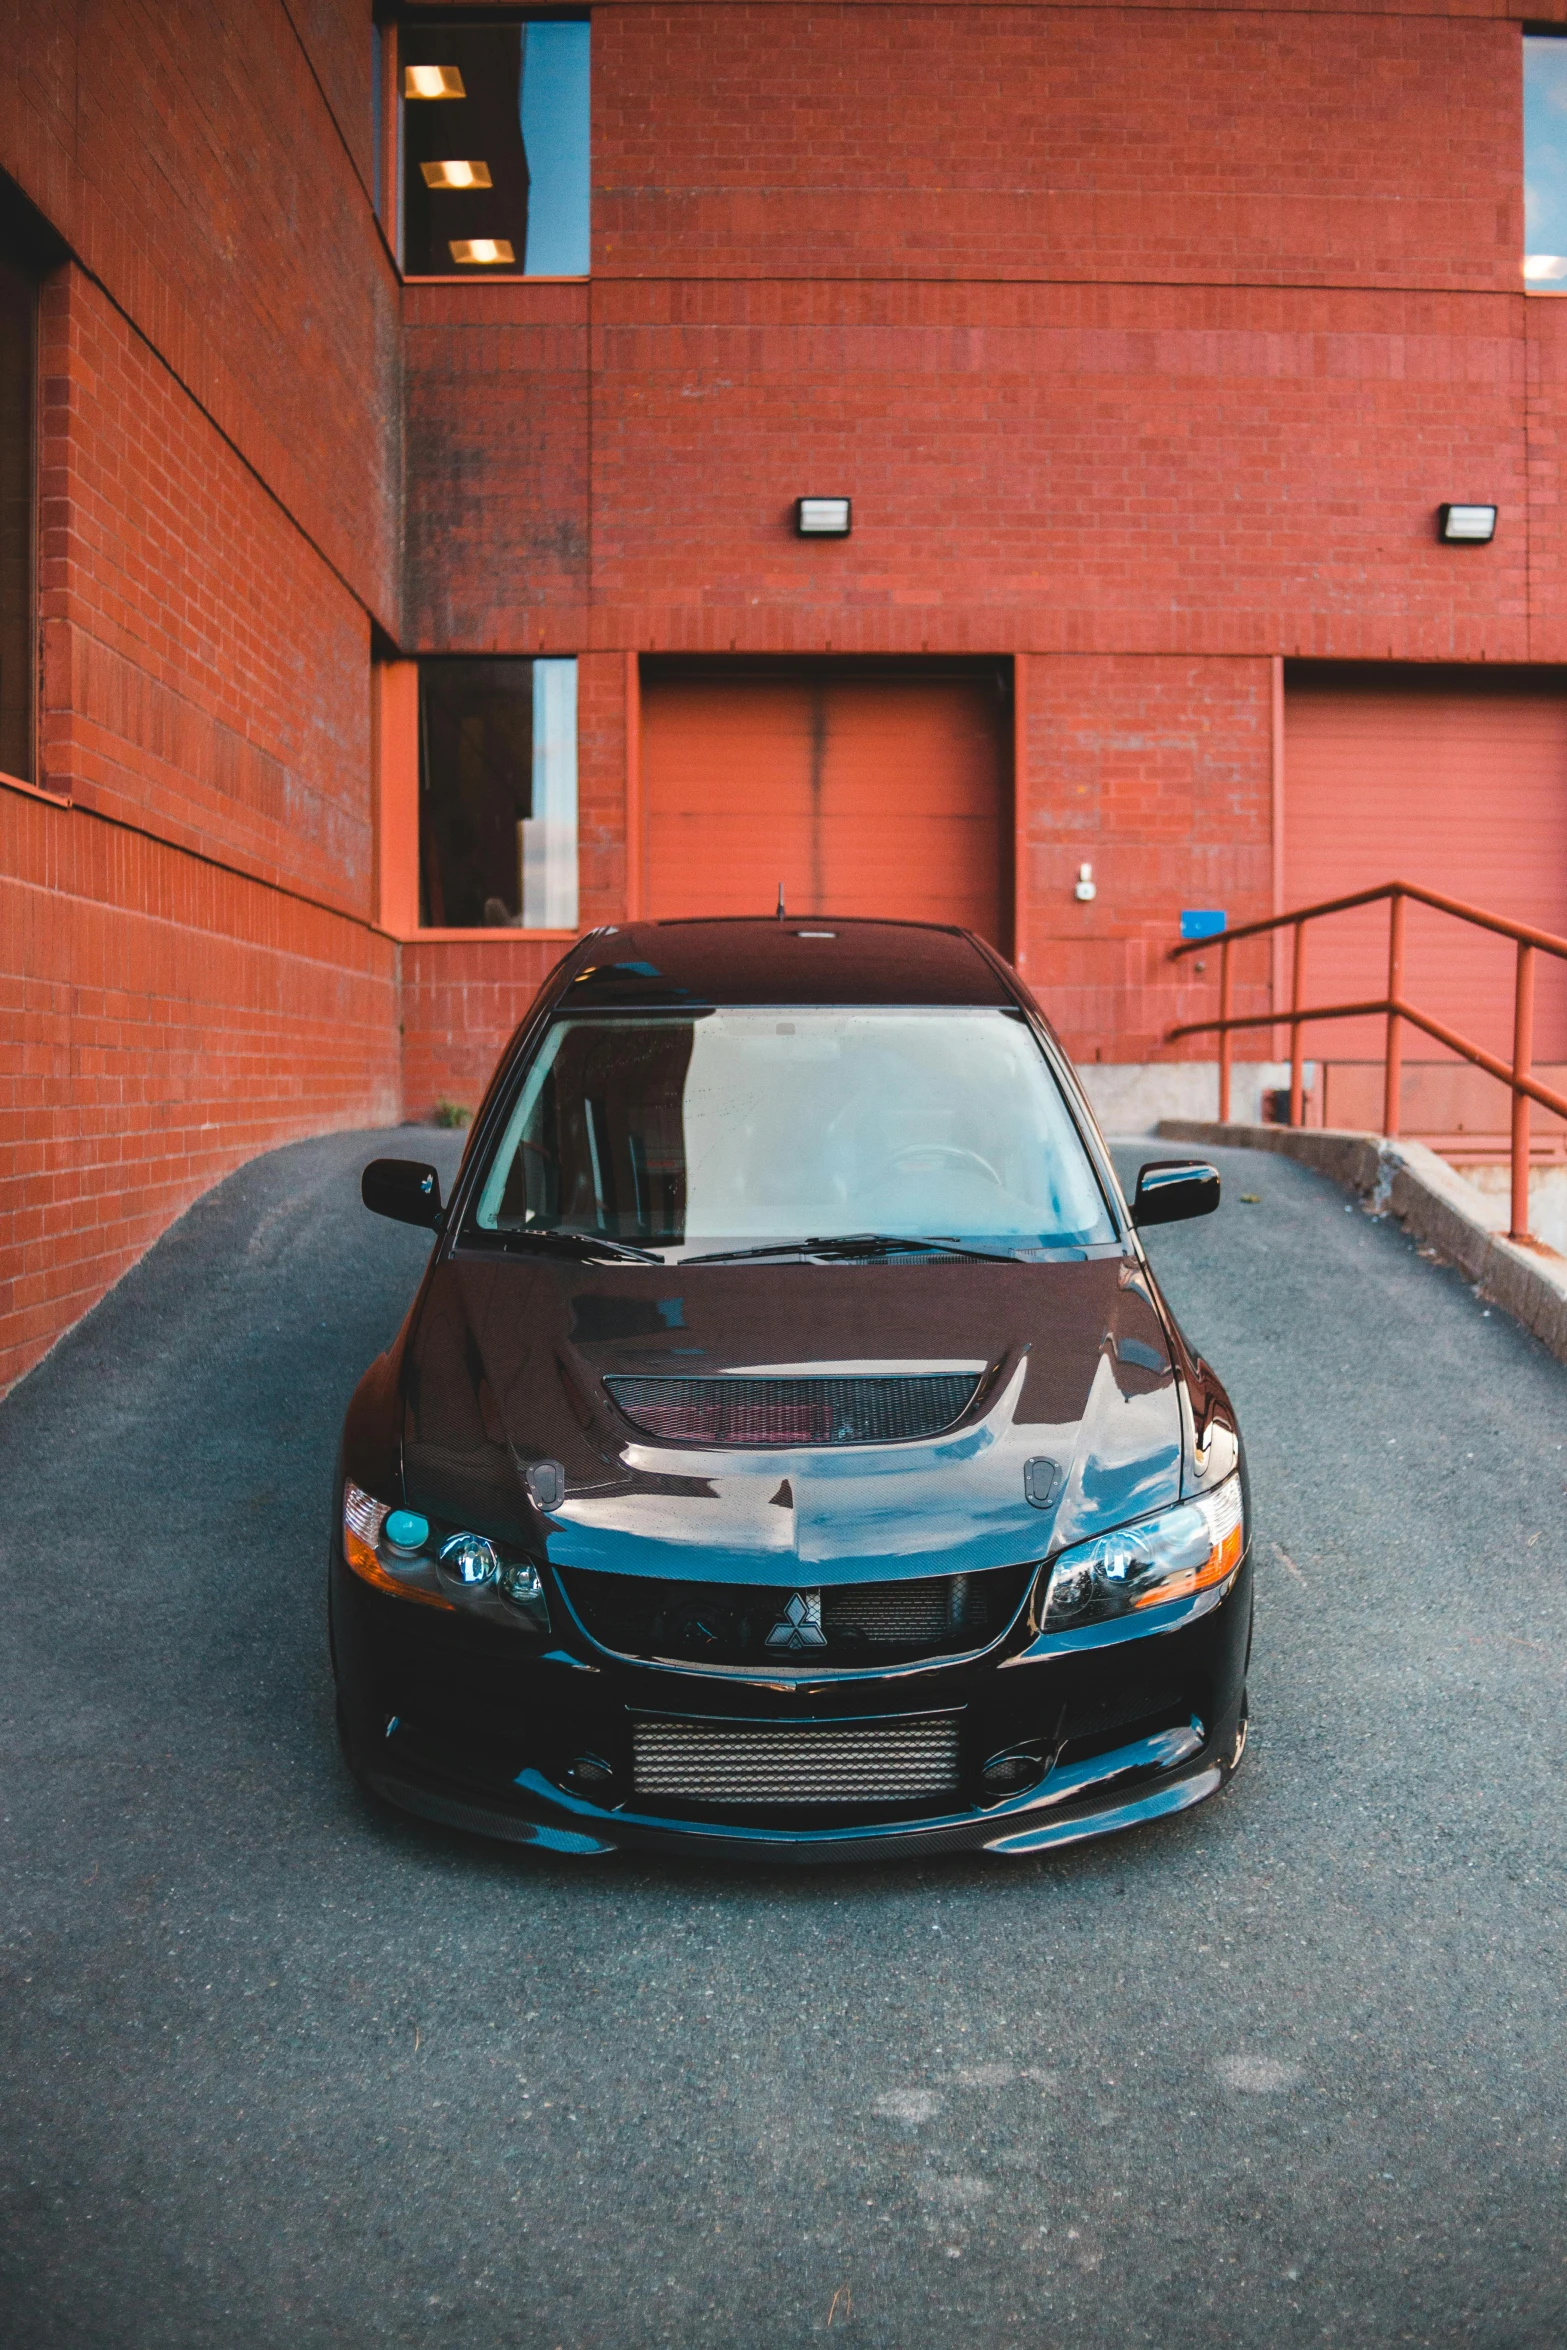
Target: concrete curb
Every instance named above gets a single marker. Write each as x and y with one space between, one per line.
1431 1202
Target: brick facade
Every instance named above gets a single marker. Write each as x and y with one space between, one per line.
1146 339
189 971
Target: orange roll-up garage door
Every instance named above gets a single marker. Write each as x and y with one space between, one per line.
877 791
1456 779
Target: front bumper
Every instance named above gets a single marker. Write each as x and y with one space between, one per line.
480 1731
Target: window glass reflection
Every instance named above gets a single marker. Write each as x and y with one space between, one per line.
498 794
699 1130
1545 161
495 148
18 316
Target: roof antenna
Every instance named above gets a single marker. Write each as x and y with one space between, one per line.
780 902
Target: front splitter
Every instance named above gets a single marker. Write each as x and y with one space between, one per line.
550 1820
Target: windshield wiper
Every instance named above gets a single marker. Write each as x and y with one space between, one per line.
853 1244
585 1245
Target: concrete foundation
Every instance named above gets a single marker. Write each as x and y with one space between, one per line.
1131 1097
1452 1215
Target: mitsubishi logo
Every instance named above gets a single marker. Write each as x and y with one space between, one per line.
800 1625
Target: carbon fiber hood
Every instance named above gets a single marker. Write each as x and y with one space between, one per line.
507 1367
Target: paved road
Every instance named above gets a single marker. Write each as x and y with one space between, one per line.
276 2069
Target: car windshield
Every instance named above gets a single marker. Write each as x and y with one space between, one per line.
699 1132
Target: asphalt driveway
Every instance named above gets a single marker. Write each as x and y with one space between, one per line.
276 2068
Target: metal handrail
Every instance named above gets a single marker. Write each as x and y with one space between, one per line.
1525 1086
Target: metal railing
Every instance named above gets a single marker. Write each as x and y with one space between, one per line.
1526 1087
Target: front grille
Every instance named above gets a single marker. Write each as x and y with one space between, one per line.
795 1411
904 1615
738 1624
719 1764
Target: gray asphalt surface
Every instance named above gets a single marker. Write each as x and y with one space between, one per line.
277 2068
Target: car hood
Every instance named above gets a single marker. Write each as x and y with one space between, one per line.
507 1362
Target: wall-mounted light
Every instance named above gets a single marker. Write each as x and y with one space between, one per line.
433 81
482 252
1086 888
1472 526
454 174
822 518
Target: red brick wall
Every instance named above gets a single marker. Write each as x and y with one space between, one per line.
161 1020
187 969
1057 467
460 1002
1157 771
1145 338
207 673
1127 329
461 999
497 551
1211 145
189 156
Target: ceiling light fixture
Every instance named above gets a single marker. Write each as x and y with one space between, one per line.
483 252
456 175
1473 526
433 81
822 518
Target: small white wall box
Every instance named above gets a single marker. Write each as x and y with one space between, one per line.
1472 526
822 518
1086 886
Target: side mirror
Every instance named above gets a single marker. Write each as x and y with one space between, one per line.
404 1190
1170 1190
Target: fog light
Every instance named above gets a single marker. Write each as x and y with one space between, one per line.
469 1560
524 1587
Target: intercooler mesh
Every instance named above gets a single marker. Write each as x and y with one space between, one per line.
895 1615
763 1763
795 1411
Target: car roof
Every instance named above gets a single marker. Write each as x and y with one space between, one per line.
805 959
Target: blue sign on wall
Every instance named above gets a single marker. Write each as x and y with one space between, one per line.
1202 921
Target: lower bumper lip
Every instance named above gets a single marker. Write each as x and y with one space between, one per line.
489 1736
1070 1806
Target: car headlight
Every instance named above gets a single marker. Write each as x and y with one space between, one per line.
1193 1547
402 1552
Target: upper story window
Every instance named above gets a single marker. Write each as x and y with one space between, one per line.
1545 161
18 377
494 147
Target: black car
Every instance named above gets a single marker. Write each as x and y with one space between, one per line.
788 1452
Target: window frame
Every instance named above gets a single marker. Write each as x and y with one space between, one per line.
1531 30
392 153
394 744
33 267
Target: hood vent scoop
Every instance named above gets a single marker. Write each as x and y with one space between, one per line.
744 1412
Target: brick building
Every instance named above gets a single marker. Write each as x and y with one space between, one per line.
401 565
